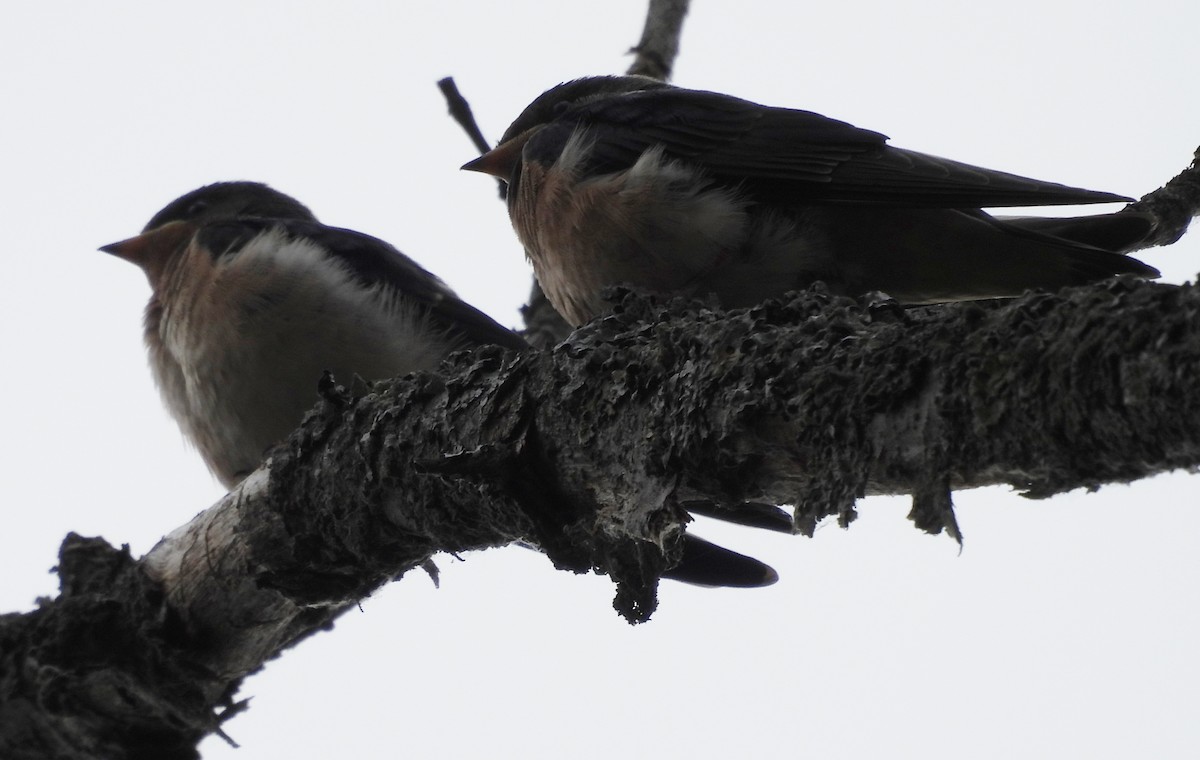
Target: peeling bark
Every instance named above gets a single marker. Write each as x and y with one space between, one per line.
587 451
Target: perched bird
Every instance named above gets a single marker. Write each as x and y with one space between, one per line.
253 299
628 180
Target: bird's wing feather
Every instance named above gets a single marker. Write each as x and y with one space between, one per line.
706 564
375 263
796 154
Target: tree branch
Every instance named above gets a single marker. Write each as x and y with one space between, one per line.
659 46
1174 205
587 451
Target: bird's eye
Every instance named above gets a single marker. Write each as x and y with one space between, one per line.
560 107
196 209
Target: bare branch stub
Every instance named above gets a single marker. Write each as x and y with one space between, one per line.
102 670
1174 205
656 51
461 112
460 109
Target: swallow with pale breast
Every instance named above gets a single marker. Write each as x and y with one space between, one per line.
252 299
631 181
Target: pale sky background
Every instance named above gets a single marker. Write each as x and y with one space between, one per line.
1066 628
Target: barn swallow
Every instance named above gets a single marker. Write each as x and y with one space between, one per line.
253 299
631 181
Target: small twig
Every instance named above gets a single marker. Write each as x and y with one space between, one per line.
460 111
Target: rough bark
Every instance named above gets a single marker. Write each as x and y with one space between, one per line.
655 53
586 450
1173 205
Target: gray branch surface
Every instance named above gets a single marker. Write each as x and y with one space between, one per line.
587 450
656 52
1173 205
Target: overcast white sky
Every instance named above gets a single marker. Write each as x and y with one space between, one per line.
1066 628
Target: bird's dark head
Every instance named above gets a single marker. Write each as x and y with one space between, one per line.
552 104
559 99
227 200
167 235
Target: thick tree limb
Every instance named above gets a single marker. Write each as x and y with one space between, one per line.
587 450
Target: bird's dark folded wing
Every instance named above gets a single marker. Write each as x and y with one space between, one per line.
1090 246
706 564
904 177
750 514
375 263
1117 232
727 135
790 153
